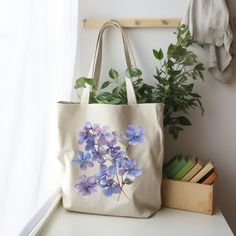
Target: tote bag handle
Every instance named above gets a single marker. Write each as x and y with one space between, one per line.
97 59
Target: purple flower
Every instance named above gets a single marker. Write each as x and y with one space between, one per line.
118 157
85 133
111 188
90 130
86 185
130 168
98 154
83 160
113 150
88 126
97 129
105 174
134 135
106 137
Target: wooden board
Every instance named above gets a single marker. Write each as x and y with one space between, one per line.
140 23
187 196
129 23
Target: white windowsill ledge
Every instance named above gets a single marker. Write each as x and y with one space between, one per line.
165 222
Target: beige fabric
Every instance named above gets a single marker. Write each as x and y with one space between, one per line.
209 24
144 194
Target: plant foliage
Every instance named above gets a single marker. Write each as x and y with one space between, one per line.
176 71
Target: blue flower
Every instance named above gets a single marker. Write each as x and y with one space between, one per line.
86 185
118 157
134 135
130 169
98 154
83 160
112 150
105 174
83 136
90 143
111 188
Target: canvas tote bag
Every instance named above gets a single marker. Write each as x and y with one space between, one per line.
112 155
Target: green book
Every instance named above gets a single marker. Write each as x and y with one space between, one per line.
171 164
188 166
173 172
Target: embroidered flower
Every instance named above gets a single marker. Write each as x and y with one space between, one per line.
88 132
86 185
98 155
106 137
134 135
90 143
111 188
83 160
117 158
130 169
105 173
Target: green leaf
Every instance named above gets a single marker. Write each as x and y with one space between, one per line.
195 95
133 72
113 74
79 83
106 96
158 54
201 75
199 67
90 81
184 121
115 101
105 84
116 91
93 97
189 88
170 49
174 131
128 181
170 63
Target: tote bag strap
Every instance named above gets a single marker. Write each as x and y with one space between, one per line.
97 59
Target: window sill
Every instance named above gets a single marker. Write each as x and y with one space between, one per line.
165 222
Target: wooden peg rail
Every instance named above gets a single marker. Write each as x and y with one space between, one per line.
130 23
139 23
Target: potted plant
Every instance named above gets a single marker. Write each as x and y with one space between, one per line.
174 86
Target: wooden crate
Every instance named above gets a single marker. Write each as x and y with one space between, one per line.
187 196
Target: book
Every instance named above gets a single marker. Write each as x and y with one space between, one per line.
204 171
173 172
206 176
210 179
189 165
171 164
198 166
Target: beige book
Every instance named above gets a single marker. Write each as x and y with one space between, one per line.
192 172
205 170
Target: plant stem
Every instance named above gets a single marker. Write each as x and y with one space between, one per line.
78 96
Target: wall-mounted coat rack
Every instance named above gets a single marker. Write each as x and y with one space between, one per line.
140 23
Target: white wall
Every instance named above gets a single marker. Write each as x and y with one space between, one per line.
212 136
